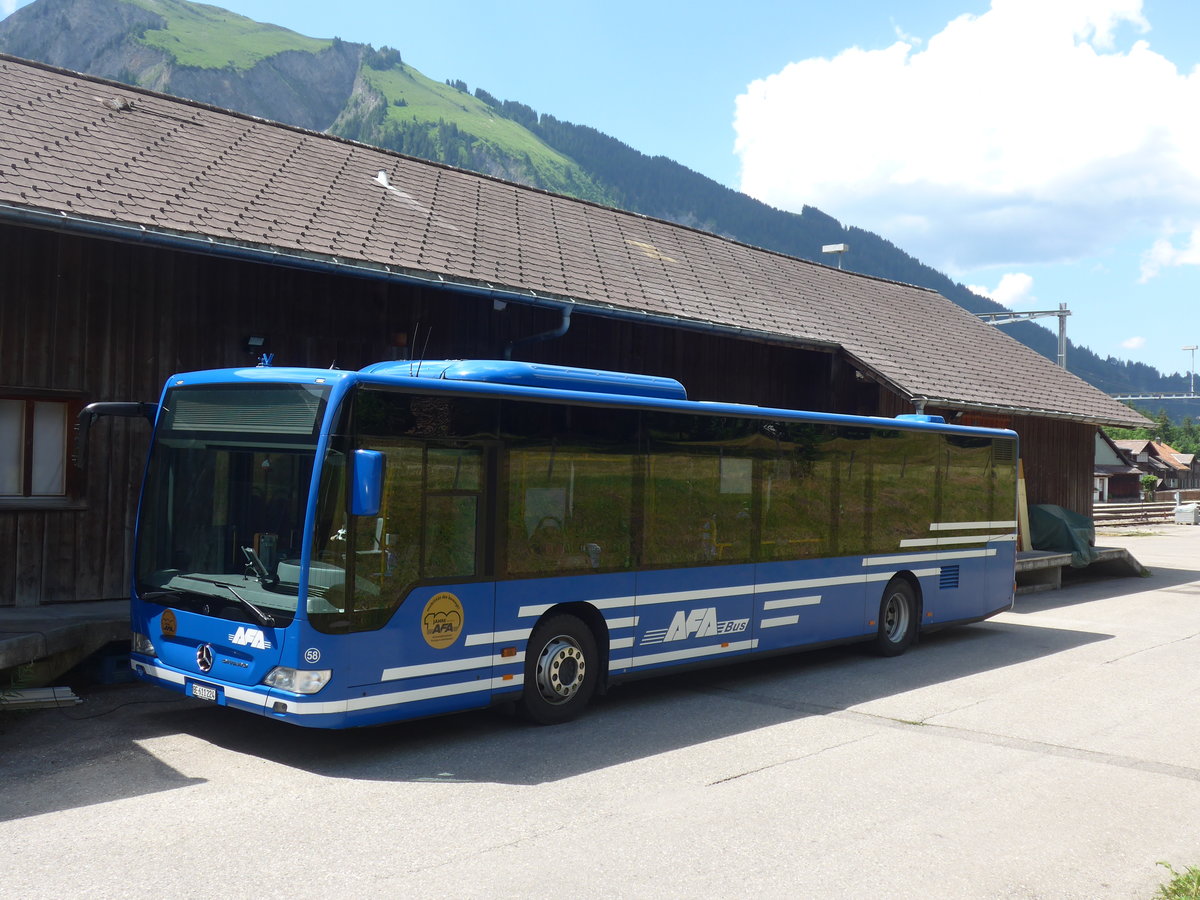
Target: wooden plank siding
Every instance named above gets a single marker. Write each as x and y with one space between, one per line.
112 320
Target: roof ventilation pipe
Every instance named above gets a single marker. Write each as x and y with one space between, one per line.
550 335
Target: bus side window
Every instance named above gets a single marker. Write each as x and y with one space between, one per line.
904 489
797 492
964 474
428 520
699 495
568 483
387 546
453 482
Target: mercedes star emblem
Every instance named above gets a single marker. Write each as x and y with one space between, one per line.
204 657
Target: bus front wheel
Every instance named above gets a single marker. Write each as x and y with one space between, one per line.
897 618
561 668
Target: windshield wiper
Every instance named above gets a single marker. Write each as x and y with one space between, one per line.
165 592
262 617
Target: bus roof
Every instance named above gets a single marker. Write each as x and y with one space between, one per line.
565 383
536 375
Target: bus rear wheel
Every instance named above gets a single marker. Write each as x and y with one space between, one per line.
897 618
561 668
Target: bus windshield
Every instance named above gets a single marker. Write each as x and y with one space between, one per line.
222 517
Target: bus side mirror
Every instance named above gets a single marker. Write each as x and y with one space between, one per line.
93 411
368 483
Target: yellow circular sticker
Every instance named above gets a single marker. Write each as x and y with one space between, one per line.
168 623
442 620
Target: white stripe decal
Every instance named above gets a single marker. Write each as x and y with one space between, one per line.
927 557
526 612
807 583
449 665
694 653
620 643
245 696
961 539
302 707
781 620
497 637
164 674
972 526
626 622
790 602
615 602
690 596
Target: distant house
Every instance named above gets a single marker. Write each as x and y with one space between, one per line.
1181 467
146 235
1116 477
1174 470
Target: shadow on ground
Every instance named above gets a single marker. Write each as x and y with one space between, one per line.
60 759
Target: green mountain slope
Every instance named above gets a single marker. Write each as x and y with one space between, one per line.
208 37
399 108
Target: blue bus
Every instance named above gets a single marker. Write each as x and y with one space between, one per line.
343 548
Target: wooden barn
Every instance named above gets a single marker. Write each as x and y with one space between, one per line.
145 235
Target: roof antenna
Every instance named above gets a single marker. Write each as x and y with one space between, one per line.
416 336
428 332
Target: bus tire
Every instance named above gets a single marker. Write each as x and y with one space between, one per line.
897 618
562 666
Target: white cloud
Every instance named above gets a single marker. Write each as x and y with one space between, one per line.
7 8
1015 291
1134 343
904 36
1164 254
1023 134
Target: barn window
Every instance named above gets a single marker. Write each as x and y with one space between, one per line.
35 458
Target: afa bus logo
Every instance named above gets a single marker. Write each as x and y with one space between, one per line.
442 620
697 623
250 637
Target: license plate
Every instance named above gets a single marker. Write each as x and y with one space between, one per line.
204 692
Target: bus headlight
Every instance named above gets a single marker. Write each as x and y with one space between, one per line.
140 643
298 681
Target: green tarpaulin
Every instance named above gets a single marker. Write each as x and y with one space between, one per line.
1054 528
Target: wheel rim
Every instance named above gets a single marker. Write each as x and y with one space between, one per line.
560 671
895 617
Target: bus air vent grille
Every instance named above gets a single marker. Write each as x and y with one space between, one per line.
949 578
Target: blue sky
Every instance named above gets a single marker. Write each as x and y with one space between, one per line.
1041 151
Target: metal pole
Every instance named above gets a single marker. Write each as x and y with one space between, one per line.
1062 335
1192 369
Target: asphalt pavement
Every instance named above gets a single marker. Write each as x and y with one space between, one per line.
1051 752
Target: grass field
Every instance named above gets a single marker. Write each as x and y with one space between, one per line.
210 38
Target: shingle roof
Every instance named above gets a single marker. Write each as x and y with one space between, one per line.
1171 456
87 150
